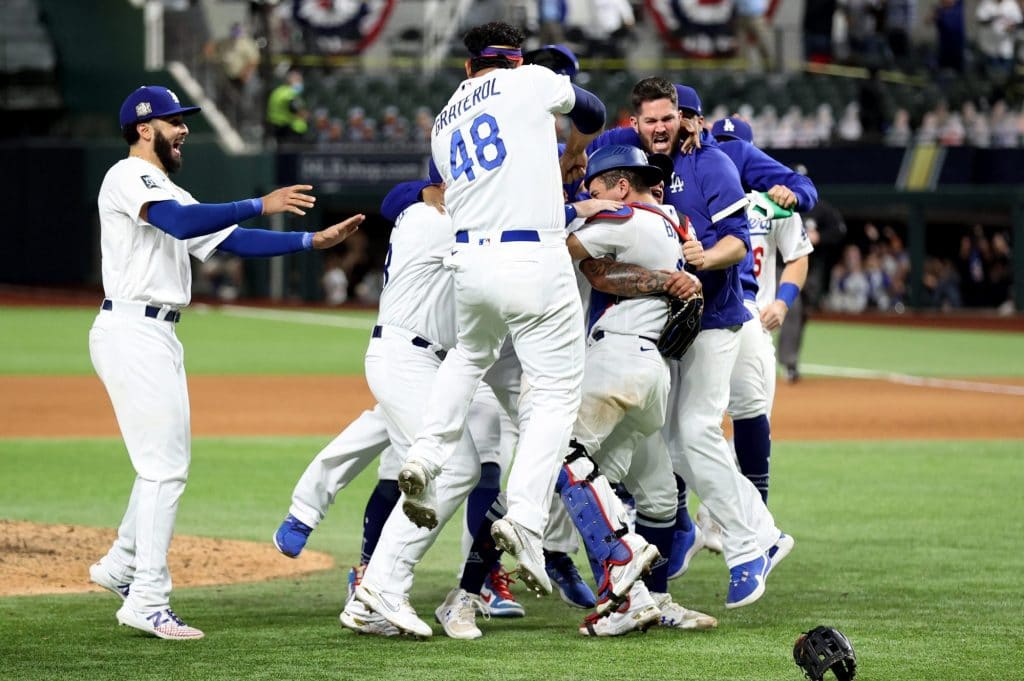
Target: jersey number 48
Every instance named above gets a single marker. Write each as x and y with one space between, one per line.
488 148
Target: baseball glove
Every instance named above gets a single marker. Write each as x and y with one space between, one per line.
824 648
682 327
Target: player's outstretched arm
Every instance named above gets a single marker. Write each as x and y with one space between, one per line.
335 234
291 199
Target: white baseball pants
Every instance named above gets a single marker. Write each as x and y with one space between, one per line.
141 363
528 290
752 384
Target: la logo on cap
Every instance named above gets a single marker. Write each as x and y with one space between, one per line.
729 127
143 109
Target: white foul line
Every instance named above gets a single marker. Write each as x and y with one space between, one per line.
919 381
319 319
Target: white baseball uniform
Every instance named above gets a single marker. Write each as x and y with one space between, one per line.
147 279
494 144
625 379
752 385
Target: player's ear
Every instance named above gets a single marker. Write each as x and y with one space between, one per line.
635 123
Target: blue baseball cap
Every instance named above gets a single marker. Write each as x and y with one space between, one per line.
732 128
622 156
152 101
558 58
689 99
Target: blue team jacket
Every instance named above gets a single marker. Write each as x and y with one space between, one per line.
705 187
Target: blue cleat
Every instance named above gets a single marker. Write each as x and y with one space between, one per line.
746 581
685 546
566 577
292 536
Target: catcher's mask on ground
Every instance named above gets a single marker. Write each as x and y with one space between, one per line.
823 648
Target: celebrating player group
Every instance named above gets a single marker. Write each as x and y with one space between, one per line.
574 318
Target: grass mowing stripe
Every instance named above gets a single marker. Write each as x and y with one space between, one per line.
910 548
904 379
55 341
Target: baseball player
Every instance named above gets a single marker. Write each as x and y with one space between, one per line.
149 227
777 190
625 389
705 187
494 143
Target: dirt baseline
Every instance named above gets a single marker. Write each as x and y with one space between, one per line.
37 559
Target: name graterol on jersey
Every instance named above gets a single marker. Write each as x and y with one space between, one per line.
479 94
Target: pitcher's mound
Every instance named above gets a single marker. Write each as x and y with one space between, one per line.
55 559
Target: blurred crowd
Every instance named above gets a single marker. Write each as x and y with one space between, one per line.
873 267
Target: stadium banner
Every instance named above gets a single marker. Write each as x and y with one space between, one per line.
342 26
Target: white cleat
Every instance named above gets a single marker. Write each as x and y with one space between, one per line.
160 623
623 577
99 576
458 614
712 531
360 619
639 612
525 547
676 616
779 550
395 609
420 501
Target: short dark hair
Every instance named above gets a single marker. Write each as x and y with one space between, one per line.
493 33
612 176
130 133
653 88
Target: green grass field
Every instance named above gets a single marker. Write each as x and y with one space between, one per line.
913 549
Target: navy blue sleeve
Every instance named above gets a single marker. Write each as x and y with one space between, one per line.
263 243
760 172
588 113
185 222
607 138
400 197
726 200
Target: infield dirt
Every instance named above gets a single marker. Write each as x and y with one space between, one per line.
55 558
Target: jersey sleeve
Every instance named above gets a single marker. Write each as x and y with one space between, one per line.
791 238
761 172
606 237
554 91
203 247
133 188
720 184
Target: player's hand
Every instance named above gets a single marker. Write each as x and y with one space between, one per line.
573 166
683 285
433 196
335 234
590 207
693 253
291 199
782 195
774 314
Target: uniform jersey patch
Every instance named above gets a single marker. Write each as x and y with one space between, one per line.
149 182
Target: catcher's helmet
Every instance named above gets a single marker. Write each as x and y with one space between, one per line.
823 648
558 58
622 156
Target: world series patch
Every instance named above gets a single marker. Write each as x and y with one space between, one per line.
149 182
